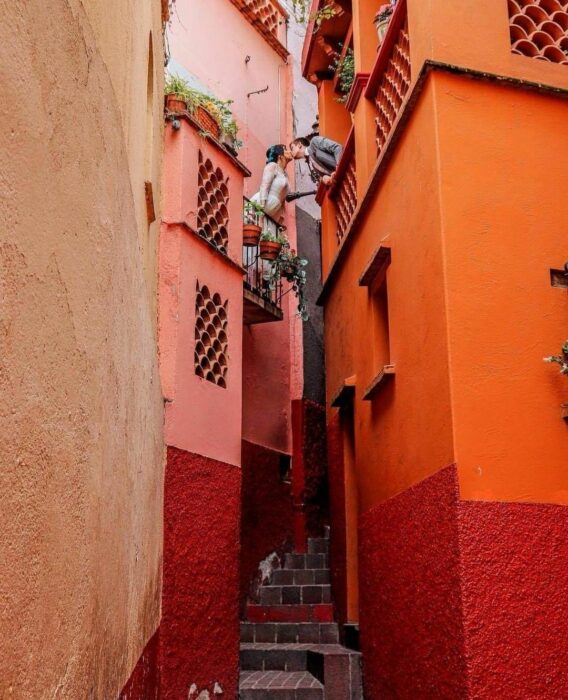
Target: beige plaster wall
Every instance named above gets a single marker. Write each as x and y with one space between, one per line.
81 415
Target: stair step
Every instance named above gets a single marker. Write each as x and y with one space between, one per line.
306 561
290 632
295 595
318 545
290 657
274 657
300 577
284 685
322 612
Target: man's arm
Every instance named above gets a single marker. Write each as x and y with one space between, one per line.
332 147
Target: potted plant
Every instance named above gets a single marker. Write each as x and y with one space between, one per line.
290 266
251 229
344 68
176 94
382 19
214 116
270 244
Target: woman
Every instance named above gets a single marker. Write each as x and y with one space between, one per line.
275 185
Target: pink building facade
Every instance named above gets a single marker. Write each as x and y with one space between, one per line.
230 382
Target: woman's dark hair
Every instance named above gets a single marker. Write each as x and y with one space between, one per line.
274 152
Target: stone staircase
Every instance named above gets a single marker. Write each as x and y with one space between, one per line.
290 643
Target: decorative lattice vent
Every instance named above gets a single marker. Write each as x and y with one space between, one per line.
265 12
539 29
393 88
211 337
213 204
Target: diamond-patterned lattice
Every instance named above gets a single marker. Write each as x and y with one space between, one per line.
539 29
213 204
346 199
393 88
211 336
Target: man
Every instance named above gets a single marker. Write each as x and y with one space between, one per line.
322 155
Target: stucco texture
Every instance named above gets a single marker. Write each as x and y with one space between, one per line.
463 599
199 635
81 449
411 622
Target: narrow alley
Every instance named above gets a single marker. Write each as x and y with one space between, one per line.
283 350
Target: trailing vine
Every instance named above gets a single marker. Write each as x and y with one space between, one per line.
344 68
301 10
561 359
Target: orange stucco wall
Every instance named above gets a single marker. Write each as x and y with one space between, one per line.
215 52
81 447
503 232
474 230
397 439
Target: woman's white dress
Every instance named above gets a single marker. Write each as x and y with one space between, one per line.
273 190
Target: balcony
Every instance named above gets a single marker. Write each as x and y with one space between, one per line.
262 297
389 82
343 192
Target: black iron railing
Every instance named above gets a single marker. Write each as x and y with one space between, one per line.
259 278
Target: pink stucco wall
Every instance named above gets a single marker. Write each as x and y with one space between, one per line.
216 52
201 417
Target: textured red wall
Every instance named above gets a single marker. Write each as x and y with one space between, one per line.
338 546
144 682
199 634
411 619
463 599
515 564
266 515
316 487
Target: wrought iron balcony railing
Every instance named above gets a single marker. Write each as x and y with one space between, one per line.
263 293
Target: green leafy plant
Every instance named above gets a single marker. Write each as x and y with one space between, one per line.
269 236
301 9
290 266
344 68
561 359
252 211
220 110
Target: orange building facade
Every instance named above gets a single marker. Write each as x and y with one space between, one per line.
441 237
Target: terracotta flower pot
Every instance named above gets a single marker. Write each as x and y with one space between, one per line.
207 122
251 235
175 104
269 250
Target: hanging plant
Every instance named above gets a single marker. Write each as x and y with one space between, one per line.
344 68
561 359
290 266
301 9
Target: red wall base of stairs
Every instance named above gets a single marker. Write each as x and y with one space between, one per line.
199 633
474 592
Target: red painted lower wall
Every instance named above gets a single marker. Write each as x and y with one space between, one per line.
199 633
144 682
410 616
267 519
515 598
463 599
338 546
